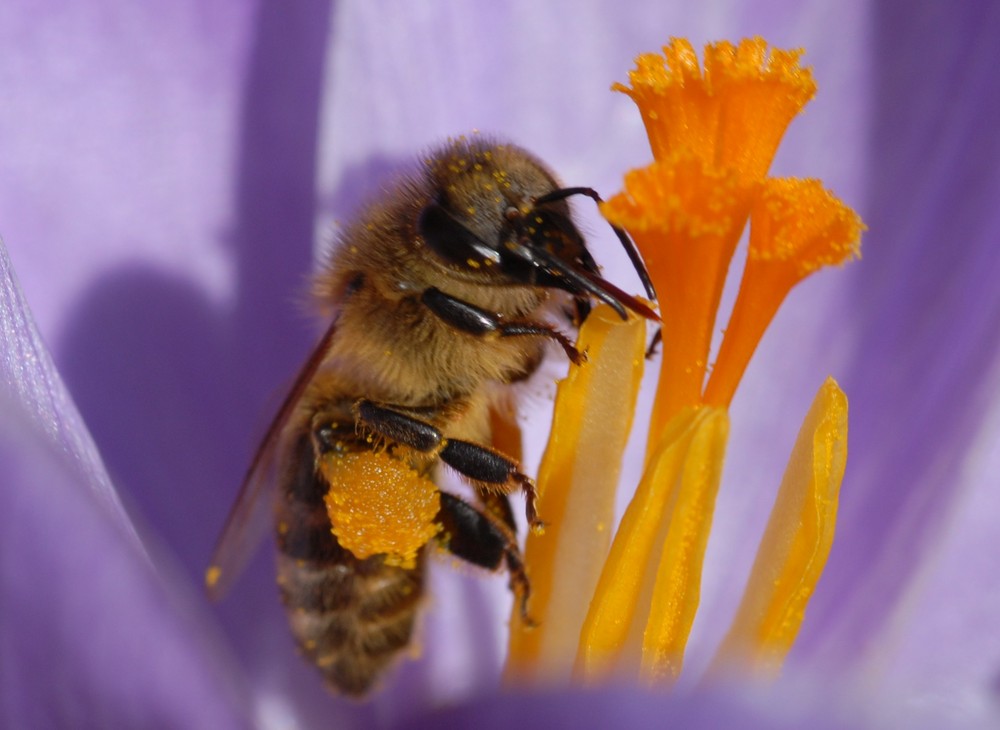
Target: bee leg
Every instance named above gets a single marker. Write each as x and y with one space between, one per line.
654 343
398 426
479 538
498 505
491 470
507 439
480 322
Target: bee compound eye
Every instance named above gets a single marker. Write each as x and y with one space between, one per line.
444 234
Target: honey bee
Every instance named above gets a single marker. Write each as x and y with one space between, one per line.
439 291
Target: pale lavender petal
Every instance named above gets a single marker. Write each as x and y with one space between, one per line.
942 642
29 378
787 704
89 634
118 136
924 377
123 193
626 708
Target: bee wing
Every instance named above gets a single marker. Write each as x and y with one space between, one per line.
252 514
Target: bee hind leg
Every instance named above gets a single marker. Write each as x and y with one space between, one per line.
493 472
498 505
488 468
479 538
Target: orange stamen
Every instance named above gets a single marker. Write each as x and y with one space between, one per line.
686 220
714 130
731 116
796 228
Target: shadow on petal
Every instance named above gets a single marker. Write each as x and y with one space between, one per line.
92 634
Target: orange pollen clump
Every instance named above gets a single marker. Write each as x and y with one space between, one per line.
799 224
379 505
733 114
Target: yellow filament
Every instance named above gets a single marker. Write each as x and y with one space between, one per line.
577 483
676 495
793 553
678 580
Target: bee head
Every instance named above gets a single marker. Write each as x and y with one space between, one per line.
498 215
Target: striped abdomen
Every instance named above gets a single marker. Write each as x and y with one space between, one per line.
351 617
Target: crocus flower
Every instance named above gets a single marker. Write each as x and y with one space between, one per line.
164 171
713 131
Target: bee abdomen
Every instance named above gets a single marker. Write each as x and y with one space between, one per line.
351 617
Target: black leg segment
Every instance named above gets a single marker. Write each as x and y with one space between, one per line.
398 426
479 538
490 467
480 322
479 462
654 343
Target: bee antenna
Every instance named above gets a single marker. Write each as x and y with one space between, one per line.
623 237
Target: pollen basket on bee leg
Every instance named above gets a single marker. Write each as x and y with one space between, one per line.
379 505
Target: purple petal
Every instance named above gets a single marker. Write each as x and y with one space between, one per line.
144 175
118 140
785 705
89 635
32 383
923 377
158 197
